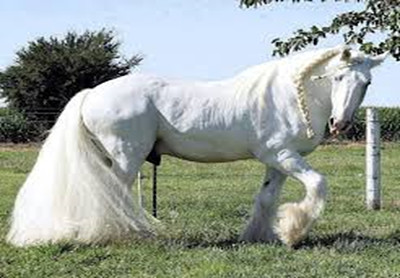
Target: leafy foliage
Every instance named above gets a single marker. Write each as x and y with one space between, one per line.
389 119
255 3
14 128
382 16
48 72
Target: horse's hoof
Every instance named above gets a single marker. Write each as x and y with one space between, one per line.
293 223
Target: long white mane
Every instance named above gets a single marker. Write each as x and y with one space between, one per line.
303 74
257 78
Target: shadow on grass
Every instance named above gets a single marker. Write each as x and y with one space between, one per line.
226 244
197 242
348 241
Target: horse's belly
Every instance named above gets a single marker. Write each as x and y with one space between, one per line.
193 149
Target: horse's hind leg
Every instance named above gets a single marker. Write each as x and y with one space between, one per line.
128 140
125 153
260 227
125 144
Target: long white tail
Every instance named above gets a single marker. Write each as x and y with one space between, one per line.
72 194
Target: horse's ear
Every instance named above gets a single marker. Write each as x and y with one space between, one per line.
377 60
346 54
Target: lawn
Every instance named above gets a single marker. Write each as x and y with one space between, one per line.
204 208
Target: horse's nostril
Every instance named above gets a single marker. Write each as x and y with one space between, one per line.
331 121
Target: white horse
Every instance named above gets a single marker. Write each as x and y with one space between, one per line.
80 187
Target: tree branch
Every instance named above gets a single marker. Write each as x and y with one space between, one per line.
379 16
256 3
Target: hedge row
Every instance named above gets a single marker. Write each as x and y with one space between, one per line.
389 119
14 128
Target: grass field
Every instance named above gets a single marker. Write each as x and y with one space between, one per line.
205 207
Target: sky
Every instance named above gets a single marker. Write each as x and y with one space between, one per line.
198 39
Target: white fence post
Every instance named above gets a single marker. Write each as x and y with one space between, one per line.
373 163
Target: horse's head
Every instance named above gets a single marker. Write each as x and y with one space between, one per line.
350 74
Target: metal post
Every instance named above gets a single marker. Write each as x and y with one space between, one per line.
154 190
139 188
139 191
373 186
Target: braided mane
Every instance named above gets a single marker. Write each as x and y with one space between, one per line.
299 80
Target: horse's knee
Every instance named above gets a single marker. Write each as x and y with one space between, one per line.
316 186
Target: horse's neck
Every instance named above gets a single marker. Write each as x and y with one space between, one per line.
318 93
312 96
252 83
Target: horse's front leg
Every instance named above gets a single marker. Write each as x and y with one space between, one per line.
260 226
294 220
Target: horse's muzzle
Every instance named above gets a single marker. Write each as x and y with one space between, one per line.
338 127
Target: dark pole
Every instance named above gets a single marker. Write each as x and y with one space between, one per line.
154 190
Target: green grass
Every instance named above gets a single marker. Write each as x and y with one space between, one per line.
205 207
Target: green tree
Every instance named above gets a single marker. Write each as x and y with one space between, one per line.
48 72
378 16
